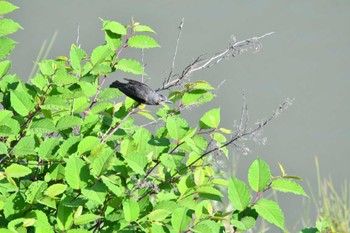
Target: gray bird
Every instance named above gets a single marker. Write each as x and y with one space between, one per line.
140 92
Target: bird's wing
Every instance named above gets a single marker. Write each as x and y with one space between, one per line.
132 81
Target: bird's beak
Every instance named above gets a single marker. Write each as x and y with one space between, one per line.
168 101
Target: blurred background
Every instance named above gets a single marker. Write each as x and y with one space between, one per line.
307 59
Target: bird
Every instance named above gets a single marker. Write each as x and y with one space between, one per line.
140 92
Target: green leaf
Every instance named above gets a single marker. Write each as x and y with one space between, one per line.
4 67
76 56
177 127
209 190
47 67
108 94
207 226
270 211
259 175
310 230
6 7
239 194
137 162
26 146
87 144
55 190
142 42
64 217
193 97
181 219
244 224
47 149
114 184
288 186
86 218
210 120
143 28
68 122
6 45
63 79
35 191
8 26
3 149
74 172
96 193
158 215
130 65
100 53
56 102
39 81
131 210
16 171
22 102
43 125
103 162
114 27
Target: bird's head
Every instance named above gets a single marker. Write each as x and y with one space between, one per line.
160 99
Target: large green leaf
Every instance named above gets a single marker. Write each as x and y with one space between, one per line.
100 53
26 146
87 144
103 162
76 56
210 120
181 219
55 190
48 149
22 102
64 217
6 46
193 97
114 27
76 172
6 7
177 127
97 193
238 194
129 65
137 162
66 122
17 170
131 210
142 42
287 186
259 175
35 191
86 218
243 224
43 125
8 26
270 211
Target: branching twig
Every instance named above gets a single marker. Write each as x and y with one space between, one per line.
234 49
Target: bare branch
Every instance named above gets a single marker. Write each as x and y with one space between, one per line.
167 80
234 49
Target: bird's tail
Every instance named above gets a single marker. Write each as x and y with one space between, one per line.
115 84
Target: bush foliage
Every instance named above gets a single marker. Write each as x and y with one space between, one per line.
73 160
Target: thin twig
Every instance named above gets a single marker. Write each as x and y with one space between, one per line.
167 80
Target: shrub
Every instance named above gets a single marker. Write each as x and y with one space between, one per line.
73 160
